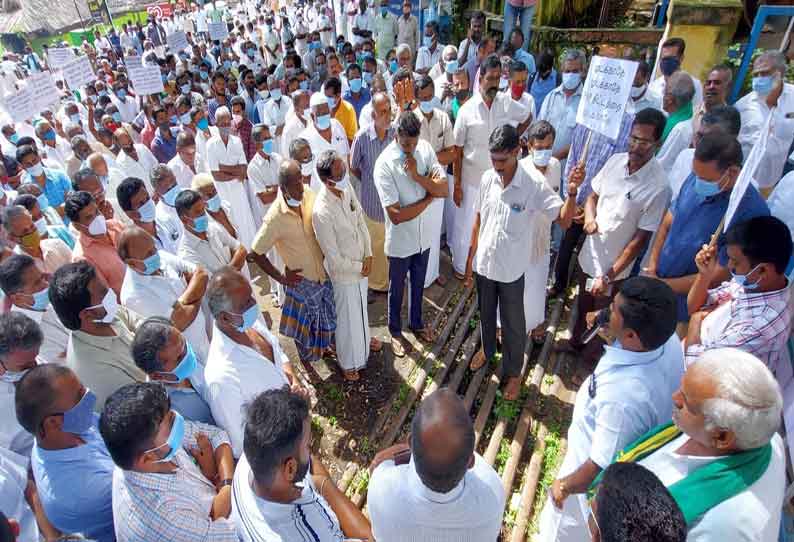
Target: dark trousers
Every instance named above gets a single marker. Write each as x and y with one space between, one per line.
569 241
415 267
509 296
588 302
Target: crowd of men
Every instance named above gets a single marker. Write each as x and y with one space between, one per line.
337 150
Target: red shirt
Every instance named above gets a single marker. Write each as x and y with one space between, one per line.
242 128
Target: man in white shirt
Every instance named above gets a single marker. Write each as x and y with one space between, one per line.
437 488
134 160
297 119
670 59
56 148
630 196
441 74
429 53
282 492
140 210
185 165
167 189
677 103
628 394
560 105
127 105
159 284
245 358
509 197
324 133
363 24
408 177
476 120
771 95
273 113
228 165
263 172
641 95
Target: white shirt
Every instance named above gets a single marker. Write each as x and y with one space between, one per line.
128 108
56 337
13 482
293 126
235 375
626 203
363 21
506 219
258 519
426 58
403 509
560 111
57 154
319 144
395 186
211 254
648 99
682 168
141 169
679 139
168 227
201 146
156 295
262 174
183 173
658 85
753 514
13 436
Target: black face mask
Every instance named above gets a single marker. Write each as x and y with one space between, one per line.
462 95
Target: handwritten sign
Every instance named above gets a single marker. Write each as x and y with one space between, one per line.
177 42
218 31
78 72
58 56
43 89
145 79
605 94
20 105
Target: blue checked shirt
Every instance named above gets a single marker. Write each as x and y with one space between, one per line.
174 506
365 152
601 148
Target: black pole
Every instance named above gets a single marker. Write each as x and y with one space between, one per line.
82 22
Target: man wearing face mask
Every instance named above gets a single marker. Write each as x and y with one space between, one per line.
670 59
32 239
101 330
278 479
629 393
173 477
560 105
140 210
429 53
441 74
70 463
53 183
95 239
641 96
357 95
126 104
245 358
695 215
160 349
273 113
55 146
185 164
134 159
163 145
20 341
263 172
771 95
340 109
325 132
166 190
385 29
751 312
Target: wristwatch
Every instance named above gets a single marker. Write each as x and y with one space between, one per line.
225 482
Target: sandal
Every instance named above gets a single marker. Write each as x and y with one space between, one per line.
512 389
351 376
425 334
375 345
478 360
399 346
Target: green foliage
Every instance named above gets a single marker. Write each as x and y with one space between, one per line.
503 456
361 482
548 471
334 394
733 58
508 410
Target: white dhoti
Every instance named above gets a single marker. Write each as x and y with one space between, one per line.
464 222
570 523
535 278
449 211
236 194
436 219
276 288
352 324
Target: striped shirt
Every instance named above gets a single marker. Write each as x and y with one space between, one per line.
365 152
174 506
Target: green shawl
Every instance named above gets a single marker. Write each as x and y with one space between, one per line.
685 113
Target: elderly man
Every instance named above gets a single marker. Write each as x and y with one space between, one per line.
723 447
95 238
278 477
245 358
511 197
69 456
751 312
159 284
163 352
408 177
81 149
677 103
54 183
99 350
560 105
670 59
25 286
308 315
134 160
228 165
185 165
48 253
172 477
86 180
41 219
325 132
338 222
771 95
263 172
273 113
628 394
441 74
55 146
436 488
476 121
715 94
640 95
218 210
166 189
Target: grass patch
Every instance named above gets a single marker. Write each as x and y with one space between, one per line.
502 456
334 394
508 410
548 472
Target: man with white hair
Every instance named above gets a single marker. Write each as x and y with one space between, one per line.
134 160
297 119
229 167
721 458
441 72
323 133
57 148
273 113
677 103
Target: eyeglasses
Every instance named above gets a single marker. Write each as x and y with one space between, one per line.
641 142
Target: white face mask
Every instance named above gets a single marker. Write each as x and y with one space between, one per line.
110 305
636 92
342 185
41 226
98 226
307 169
541 157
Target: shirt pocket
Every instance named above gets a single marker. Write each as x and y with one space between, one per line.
515 217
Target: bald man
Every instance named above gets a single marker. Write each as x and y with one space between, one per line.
435 489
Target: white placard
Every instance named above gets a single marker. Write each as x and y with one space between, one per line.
132 60
43 89
145 79
605 94
78 72
218 31
177 42
20 105
58 56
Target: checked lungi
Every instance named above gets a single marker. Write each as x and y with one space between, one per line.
309 317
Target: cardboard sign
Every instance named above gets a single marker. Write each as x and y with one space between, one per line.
20 105
78 72
605 95
58 56
145 79
177 42
43 89
218 31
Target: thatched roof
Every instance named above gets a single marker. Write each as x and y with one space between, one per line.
55 16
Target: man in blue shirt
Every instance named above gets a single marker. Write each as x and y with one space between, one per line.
71 465
164 142
696 214
54 183
357 95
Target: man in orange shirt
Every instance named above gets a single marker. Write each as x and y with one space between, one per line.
341 110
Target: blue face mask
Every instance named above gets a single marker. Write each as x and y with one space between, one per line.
187 365
201 223
50 134
151 264
121 93
214 203
426 107
571 80
763 84
41 300
304 85
427 41
367 77
705 188
203 124
741 280
267 146
393 66
170 197
275 94
13 138
185 89
355 85
185 118
384 11
249 318
116 117
174 438
227 64
147 211
324 122
44 203
80 417
35 170
451 67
